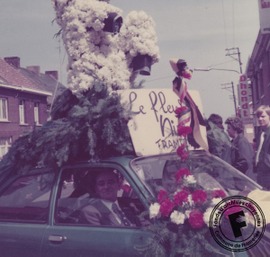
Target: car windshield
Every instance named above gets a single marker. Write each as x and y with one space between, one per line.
159 172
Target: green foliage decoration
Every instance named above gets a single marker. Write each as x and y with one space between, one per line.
91 127
170 240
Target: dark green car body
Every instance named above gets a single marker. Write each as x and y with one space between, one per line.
26 235
35 221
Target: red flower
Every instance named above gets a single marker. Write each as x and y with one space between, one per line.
184 156
166 207
183 130
180 110
199 196
182 152
181 197
196 219
162 196
182 147
181 173
218 193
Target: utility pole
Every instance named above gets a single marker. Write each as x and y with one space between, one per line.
235 51
226 86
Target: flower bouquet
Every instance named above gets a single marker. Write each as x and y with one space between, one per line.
180 220
180 216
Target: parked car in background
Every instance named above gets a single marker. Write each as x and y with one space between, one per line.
40 211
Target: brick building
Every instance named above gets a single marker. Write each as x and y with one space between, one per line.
26 96
258 71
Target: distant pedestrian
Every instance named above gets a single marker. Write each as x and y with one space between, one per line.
262 160
242 153
218 141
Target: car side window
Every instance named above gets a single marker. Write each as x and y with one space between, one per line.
27 199
80 203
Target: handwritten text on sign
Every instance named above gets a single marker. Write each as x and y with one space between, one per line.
153 128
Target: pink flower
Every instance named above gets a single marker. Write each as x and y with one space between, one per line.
180 110
199 196
166 207
162 196
183 130
182 152
196 219
184 156
181 197
182 147
181 173
218 193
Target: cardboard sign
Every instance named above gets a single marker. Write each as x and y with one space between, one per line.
153 128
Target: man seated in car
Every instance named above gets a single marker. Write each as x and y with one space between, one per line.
105 210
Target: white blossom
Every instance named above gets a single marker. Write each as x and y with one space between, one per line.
187 213
190 179
154 210
177 217
190 201
94 54
206 215
138 36
215 201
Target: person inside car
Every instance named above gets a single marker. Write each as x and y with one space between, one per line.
105 209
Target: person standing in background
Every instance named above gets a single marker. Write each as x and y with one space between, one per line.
262 160
242 153
218 141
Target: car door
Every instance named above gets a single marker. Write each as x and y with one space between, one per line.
66 236
24 211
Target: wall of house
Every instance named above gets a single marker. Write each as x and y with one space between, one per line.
34 88
258 71
12 127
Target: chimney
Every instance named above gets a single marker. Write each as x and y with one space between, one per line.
52 73
34 68
13 61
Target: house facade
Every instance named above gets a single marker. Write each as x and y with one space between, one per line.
258 73
25 99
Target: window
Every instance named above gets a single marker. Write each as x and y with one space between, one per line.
36 113
84 200
22 111
3 109
4 146
27 199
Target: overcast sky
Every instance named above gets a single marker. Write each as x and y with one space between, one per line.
198 31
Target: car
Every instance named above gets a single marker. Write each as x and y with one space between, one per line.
40 211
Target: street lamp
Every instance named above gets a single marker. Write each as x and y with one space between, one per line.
232 85
209 69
